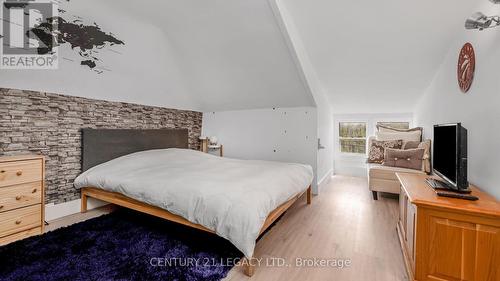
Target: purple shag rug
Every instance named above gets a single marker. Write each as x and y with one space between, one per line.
123 245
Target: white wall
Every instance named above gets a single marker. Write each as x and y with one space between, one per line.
385 52
313 85
190 54
325 134
280 134
145 70
355 164
478 110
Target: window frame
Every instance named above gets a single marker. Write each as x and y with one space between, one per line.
337 138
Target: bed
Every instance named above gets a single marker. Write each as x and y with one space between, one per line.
152 171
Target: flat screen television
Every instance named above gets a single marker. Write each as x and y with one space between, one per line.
450 155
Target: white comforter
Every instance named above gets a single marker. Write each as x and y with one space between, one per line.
229 196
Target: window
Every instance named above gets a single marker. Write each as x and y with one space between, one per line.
395 125
352 136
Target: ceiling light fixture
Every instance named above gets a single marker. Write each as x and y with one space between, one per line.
481 21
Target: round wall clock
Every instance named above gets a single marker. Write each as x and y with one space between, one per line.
466 67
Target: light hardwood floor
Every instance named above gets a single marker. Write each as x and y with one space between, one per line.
342 223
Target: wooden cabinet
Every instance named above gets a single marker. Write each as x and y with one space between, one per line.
21 197
406 229
445 238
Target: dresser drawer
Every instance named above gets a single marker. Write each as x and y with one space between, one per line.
20 219
20 235
18 172
18 196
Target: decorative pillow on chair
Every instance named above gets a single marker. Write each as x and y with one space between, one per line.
377 149
382 128
412 131
405 136
411 145
409 159
426 145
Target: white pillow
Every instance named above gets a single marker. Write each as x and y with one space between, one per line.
405 136
388 130
385 130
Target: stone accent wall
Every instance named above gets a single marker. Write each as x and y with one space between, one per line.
50 124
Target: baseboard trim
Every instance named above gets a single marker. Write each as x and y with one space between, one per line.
53 211
325 180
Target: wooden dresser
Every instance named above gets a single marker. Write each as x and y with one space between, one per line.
21 197
446 238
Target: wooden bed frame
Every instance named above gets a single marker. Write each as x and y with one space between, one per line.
127 202
102 145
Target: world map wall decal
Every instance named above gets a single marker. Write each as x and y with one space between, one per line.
86 40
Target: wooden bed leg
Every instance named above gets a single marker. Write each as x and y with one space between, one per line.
84 203
309 195
248 267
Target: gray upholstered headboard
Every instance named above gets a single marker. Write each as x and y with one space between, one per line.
102 145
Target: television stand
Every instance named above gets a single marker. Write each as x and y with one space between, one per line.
441 185
444 238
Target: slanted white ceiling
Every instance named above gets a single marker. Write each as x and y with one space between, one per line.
203 55
213 55
377 56
232 52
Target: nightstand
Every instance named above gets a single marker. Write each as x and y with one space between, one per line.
205 146
219 147
21 197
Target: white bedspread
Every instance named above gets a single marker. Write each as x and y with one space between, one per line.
229 196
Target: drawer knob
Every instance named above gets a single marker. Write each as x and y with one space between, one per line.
18 222
18 197
20 173
2 172
34 190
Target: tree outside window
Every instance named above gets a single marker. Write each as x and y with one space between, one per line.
352 136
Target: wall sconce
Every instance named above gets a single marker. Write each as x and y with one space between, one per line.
481 21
